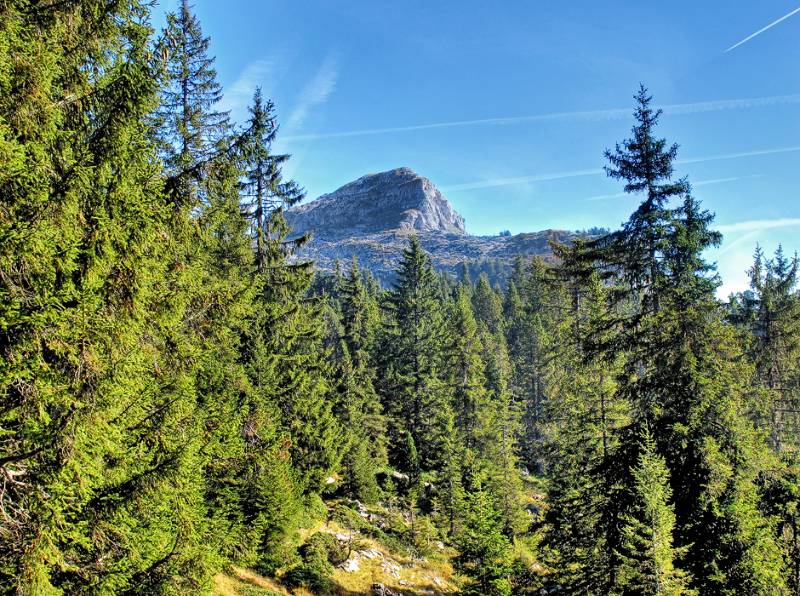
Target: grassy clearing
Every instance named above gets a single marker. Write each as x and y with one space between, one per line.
394 569
383 555
243 582
411 576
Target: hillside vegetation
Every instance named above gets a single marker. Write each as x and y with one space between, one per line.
188 407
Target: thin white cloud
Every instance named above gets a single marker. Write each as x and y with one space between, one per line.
758 225
316 92
491 183
616 195
724 156
760 31
589 116
727 247
239 94
694 184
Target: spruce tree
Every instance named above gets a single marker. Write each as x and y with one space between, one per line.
294 438
265 190
225 307
683 375
413 386
487 304
497 435
634 254
188 121
465 275
531 307
584 447
484 551
361 413
647 536
103 489
466 369
287 363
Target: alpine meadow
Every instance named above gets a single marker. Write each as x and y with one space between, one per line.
211 385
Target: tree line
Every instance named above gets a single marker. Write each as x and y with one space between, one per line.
179 389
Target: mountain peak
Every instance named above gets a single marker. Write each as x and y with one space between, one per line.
398 199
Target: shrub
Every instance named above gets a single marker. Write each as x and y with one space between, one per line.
314 509
318 554
314 576
327 546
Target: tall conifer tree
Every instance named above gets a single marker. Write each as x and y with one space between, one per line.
487 304
466 369
584 447
413 386
104 492
362 418
681 374
645 163
293 435
265 190
531 306
190 125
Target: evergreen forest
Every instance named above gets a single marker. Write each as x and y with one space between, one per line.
182 395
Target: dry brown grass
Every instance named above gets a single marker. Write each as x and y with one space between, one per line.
420 575
243 582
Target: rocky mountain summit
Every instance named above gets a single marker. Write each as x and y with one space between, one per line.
373 217
398 199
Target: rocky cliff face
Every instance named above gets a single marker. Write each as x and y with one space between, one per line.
373 217
398 199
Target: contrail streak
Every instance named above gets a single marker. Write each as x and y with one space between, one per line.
620 195
760 31
738 155
491 183
494 182
760 224
579 116
728 247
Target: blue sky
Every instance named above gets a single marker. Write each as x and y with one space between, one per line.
508 106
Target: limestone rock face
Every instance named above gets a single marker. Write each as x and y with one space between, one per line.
373 217
398 199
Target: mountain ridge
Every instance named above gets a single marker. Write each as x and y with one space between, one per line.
396 199
372 217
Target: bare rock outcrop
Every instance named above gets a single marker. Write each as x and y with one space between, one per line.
398 199
373 217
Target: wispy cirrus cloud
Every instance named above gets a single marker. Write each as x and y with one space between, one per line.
316 92
575 116
735 254
238 95
710 182
758 225
724 156
494 182
762 30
